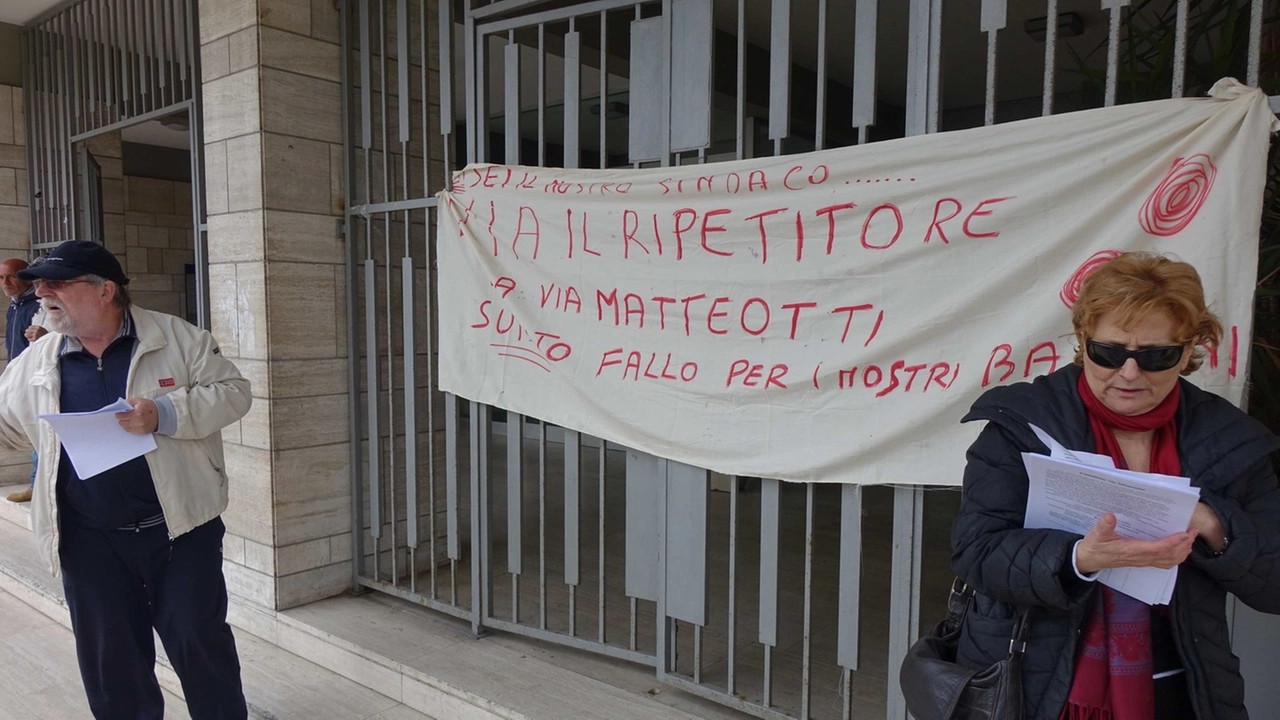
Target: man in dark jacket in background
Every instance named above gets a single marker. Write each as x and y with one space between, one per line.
19 332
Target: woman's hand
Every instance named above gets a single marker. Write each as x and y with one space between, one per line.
1206 522
1102 548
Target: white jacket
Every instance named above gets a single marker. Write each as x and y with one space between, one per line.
207 391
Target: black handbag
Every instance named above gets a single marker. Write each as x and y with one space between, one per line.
936 688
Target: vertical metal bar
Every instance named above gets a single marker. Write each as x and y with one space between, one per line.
1255 42
848 626
633 630
904 589
511 101
88 19
402 74
101 58
1050 56
425 70
159 28
29 69
47 126
97 63
407 283
119 28
452 545
770 515
989 115
604 87
697 654
129 45
143 22
780 72
600 616
65 189
366 85
730 685
429 322
515 492
445 31
57 132
49 188
741 110
371 408
482 96
166 52
152 58
935 65
805 677
1113 47
1180 49
515 507
919 74
76 26
820 113
138 8
542 524
481 556
110 46
994 18
542 95
846 693
189 43
199 207
388 308
471 81
572 95
664 640
353 328
572 510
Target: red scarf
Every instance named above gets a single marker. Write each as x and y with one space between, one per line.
1112 678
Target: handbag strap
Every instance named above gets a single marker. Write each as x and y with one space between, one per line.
959 601
1018 643
958 607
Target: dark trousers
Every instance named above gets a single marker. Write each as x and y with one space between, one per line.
119 585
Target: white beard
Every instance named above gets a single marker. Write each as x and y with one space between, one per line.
60 323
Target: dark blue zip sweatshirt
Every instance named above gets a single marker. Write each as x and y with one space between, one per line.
17 319
124 495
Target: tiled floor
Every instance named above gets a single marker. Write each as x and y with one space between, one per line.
38 675
39 679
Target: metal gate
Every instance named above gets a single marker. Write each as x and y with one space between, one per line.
780 600
95 67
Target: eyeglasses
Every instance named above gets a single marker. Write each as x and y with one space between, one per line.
1153 359
56 285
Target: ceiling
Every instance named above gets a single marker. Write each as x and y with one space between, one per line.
21 12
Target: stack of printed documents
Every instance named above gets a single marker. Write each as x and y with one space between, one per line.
1071 490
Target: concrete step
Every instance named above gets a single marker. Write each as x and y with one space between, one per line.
277 683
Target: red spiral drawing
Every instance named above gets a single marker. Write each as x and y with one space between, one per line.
1178 198
1071 291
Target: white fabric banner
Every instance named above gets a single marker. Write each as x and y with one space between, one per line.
831 316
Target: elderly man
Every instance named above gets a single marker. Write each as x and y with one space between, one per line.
19 332
139 546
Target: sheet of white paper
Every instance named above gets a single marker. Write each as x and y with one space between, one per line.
94 440
1058 450
1072 496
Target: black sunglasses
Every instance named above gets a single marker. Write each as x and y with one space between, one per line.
1153 359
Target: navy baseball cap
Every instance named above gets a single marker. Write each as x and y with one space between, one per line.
74 258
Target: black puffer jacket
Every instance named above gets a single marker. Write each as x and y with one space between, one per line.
1223 451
